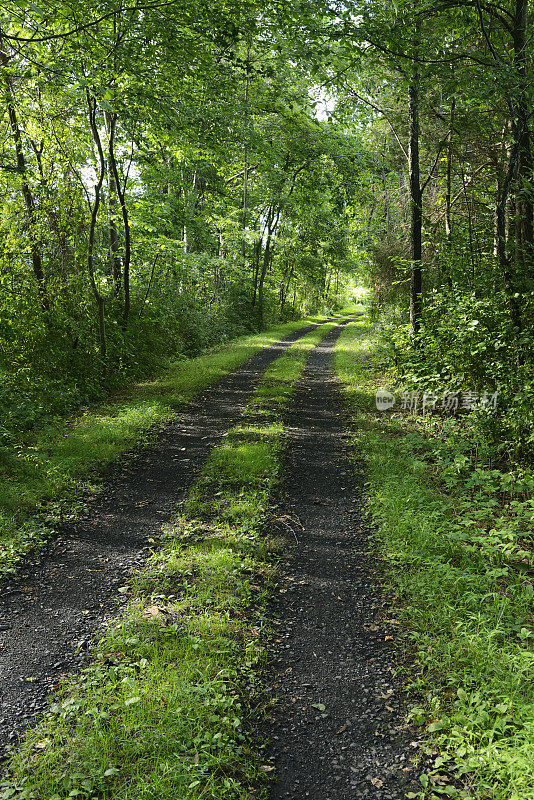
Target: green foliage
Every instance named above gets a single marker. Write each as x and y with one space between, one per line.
468 343
455 534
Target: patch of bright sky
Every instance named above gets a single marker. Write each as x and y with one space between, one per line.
324 104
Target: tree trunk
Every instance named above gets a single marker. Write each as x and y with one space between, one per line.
448 187
285 290
91 103
385 191
245 170
114 246
416 196
504 261
125 223
525 208
255 271
271 226
27 193
264 268
190 207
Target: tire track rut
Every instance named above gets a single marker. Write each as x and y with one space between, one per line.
49 611
338 730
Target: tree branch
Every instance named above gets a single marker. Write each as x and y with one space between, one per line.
80 28
381 111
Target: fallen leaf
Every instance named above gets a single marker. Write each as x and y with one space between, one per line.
132 701
377 782
341 730
440 780
42 744
159 613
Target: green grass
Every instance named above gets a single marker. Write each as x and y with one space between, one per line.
457 551
163 711
43 477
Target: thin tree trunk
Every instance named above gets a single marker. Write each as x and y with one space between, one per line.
273 219
152 272
114 246
385 190
469 221
519 168
448 188
416 195
504 261
285 290
125 223
264 268
327 282
525 208
498 190
91 103
27 193
190 203
245 170
255 271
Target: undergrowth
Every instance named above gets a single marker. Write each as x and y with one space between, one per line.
456 536
161 712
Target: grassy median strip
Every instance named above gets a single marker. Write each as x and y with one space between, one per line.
43 476
161 712
457 551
